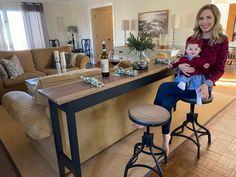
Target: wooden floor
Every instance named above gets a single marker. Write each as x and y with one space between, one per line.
218 161
7 165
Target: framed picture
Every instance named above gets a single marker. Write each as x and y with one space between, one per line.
153 23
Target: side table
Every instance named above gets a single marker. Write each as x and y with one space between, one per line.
31 85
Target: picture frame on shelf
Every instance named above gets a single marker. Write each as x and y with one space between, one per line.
153 23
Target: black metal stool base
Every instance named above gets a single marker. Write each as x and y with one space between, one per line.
192 118
147 140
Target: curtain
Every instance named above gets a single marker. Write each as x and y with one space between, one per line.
35 25
3 37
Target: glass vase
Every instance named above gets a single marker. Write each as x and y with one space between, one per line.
141 61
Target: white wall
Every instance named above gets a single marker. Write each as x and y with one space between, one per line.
131 8
75 13
58 17
84 17
123 9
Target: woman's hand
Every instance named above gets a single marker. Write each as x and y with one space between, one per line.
203 91
170 66
186 69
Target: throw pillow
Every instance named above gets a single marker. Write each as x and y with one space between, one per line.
3 73
13 67
68 59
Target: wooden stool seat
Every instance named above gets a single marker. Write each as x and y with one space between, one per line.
148 115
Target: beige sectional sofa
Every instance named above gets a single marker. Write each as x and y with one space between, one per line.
35 63
98 126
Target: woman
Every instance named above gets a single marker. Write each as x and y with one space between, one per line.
209 30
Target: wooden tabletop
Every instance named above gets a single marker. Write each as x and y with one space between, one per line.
73 90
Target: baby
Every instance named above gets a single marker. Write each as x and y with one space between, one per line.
200 65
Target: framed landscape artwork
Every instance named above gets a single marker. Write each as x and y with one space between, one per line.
153 23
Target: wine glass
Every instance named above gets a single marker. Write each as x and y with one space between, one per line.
114 58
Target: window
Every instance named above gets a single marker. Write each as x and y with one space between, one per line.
17 30
23 28
13 32
4 43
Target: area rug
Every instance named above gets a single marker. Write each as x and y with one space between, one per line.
7 165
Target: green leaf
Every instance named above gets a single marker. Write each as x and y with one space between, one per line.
141 43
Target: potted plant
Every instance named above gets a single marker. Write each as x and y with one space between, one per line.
140 44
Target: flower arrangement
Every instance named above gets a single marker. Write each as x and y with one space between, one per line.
141 43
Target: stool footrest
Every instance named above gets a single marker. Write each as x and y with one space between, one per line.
147 141
192 118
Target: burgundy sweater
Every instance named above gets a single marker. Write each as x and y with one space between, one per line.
216 56
196 62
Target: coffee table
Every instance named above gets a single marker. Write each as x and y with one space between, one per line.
31 85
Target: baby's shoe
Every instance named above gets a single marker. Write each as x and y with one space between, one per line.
199 99
182 85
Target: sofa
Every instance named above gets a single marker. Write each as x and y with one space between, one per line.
36 63
98 126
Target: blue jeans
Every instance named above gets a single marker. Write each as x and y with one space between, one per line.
167 96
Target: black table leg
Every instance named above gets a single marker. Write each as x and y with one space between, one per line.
74 148
57 136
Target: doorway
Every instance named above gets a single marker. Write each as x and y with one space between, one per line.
231 24
102 29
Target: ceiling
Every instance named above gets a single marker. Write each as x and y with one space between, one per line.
81 1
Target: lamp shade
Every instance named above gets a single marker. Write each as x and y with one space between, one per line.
125 25
175 21
73 29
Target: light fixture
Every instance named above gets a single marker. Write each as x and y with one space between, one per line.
73 30
125 27
175 23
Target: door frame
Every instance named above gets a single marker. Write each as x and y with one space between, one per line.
91 29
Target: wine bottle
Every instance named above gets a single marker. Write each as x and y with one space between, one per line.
104 61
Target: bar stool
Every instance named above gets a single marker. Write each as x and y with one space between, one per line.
149 116
192 118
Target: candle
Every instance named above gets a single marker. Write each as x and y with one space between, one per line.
56 55
58 65
63 60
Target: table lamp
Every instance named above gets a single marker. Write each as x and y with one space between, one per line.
175 23
125 27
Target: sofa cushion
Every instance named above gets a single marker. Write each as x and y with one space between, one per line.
3 73
21 79
68 58
43 58
31 117
24 56
13 67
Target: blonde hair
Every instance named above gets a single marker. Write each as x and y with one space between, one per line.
217 30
